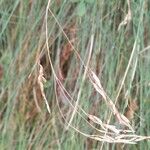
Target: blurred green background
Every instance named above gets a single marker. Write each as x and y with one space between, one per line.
120 58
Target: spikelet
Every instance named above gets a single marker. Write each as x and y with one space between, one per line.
42 80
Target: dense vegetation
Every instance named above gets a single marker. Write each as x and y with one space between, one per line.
62 41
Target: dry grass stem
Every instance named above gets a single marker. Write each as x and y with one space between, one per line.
110 133
42 80
82 82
